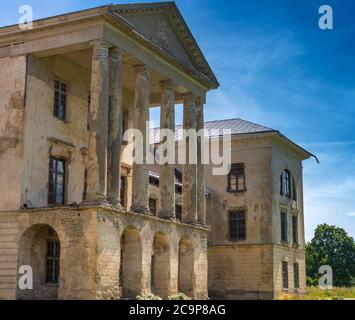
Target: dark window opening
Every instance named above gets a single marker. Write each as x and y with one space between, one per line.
123 189
88 116
295 229
56 185
153 206
286 184
154 181
85 191
294 189
296 275
178 212
52 261
236 178
237 225
285 275
284 226
60 99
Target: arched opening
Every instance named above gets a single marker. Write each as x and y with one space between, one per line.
160 266
131 263
186 267
39 248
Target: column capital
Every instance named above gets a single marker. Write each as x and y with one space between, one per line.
168 84
143 68
116 52
102 43
200 101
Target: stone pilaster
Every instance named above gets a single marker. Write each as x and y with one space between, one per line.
114 128
167 171
98 135
200 186
140 179
189 199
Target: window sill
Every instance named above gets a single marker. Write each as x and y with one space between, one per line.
236 191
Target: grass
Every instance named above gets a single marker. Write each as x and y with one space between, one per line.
315 293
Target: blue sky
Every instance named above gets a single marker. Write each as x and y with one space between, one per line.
276 68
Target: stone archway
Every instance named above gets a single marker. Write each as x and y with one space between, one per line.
39 248
186 267
131 263
160 266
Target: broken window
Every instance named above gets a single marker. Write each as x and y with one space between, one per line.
56 184
60 99
178 212
153 206
236 178
237 225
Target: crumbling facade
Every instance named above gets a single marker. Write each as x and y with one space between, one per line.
73 204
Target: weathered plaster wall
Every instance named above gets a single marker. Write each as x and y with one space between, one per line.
12 118
77 234
256 155
41 125
284 158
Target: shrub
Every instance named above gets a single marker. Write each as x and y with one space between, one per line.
148 296
179 296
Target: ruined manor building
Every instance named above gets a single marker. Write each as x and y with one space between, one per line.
69 87
93 224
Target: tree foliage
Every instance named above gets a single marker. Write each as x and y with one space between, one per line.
334 247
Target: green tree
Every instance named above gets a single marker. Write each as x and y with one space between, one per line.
334 247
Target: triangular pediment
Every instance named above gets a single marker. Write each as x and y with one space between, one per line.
163 24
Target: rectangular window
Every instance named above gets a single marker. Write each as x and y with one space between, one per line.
284 226
60 99
285 275
153 206
88 115
236 178
123 191
56 184
85 191
237 225
178 212
52 261
295 229
296 275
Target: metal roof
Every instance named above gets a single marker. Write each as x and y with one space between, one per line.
236 126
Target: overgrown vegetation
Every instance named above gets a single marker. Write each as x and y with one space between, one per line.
334 247
148 296
179 296
315 293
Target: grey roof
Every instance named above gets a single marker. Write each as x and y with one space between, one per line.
236 126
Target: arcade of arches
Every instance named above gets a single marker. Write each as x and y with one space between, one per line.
105 254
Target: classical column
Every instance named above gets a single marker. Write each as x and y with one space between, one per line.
189 199
114 128
98 134
140 181
167 171
201 200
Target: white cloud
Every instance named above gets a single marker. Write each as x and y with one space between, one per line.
351 214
